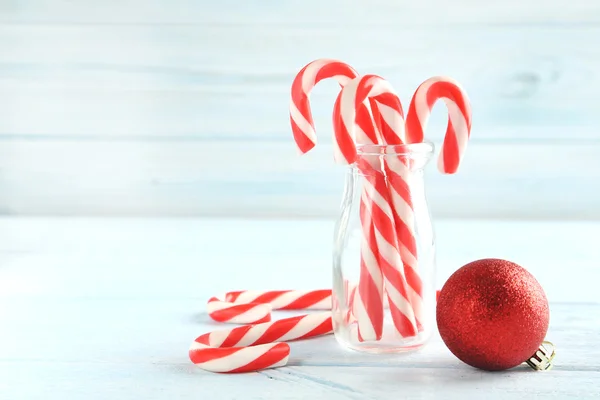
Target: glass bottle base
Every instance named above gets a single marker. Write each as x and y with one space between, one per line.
347 337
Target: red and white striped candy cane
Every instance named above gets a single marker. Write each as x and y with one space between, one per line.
371 292
451 153
255 347
320 299
399 184
301 119
389 115
253 307
384 234
459 119
366 303
247 313
285 299
377 194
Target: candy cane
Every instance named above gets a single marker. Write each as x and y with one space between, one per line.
255 347
369 298
285 299
399 180
459 119
378 193
303 127
248 313
253 307
367 302
389 115
453 148
320 299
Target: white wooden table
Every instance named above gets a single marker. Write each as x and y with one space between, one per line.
106 309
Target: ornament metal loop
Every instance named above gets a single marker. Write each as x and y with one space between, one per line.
543 357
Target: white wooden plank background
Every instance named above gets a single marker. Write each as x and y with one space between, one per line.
180 107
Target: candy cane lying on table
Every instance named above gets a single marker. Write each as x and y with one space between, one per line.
253 307
285 299
459 119
248 313
255 347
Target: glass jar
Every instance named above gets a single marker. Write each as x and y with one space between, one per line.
384 255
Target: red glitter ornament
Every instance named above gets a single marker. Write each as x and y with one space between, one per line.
492 314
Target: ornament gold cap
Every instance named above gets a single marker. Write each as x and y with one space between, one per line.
543 357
